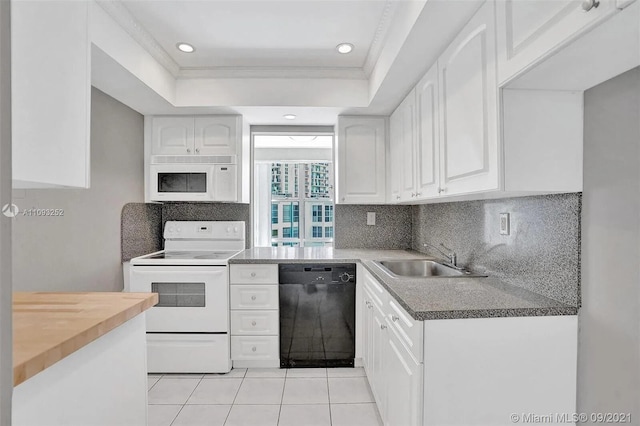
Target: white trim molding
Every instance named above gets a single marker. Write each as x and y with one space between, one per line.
119 12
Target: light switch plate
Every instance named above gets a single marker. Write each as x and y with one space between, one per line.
505 224
371 218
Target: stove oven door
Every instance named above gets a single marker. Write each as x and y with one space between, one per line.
193 299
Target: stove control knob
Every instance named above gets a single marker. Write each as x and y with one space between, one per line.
235 230
178 229
170 229
228 229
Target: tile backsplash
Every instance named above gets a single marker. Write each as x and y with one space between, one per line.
140 229
391 231
142 224
541 253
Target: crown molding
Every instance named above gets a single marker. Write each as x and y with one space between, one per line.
380 35
274 72
119 12
121 15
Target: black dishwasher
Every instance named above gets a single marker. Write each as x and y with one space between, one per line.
317 315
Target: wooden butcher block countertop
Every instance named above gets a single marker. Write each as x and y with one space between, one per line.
50 326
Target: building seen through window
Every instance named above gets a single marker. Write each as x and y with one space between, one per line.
306 188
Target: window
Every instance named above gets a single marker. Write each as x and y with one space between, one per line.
317 232
328 213
317 213
296 213
328 232
301 198
286 213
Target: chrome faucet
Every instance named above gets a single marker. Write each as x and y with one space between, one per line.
450 255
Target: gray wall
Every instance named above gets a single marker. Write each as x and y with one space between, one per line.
609 339
391 231
81 250
6 358
541 254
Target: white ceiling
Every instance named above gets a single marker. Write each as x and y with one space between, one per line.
264 33
267 58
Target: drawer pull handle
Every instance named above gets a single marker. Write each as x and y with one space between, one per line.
253 349
253 323
394 318
253 297
382 326
253 275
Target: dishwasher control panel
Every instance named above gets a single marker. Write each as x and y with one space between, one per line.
324 273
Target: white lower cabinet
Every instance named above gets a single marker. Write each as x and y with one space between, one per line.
462 372
255 327
393 371
404 383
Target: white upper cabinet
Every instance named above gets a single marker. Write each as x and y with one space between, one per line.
402 148
217 135
361 160
205 135
395 153
172 135
529 30
469 108
51 93
428 135
415 143
408 178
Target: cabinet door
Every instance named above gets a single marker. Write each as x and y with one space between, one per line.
366 315
51 94
216 135
378 361
404 385
408 111
172 135
468 113
361 160
529 31
621 4
428 137
395 152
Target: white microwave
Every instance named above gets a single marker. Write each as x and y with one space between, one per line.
193 178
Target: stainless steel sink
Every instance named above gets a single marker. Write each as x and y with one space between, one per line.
424 268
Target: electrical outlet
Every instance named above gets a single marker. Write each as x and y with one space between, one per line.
371 218
505 224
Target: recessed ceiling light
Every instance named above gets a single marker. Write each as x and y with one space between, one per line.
290 116
185 47
344 48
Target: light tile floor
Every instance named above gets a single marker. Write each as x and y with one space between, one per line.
263 397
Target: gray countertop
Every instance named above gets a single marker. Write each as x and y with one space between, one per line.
424 298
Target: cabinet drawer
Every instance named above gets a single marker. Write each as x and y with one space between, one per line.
409 330
254 297
376 289
246 348
255 323
254 274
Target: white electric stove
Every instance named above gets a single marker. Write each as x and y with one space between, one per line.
188 330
